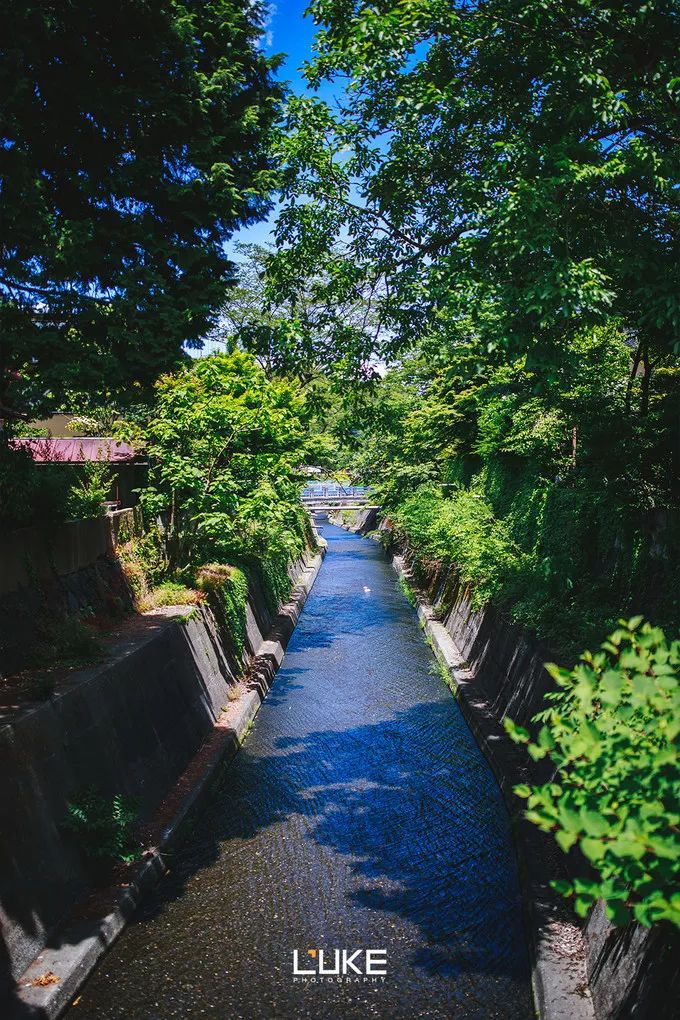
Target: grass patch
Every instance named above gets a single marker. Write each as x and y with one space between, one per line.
226 590
408 592
170 593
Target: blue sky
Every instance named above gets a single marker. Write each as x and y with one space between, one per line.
289 32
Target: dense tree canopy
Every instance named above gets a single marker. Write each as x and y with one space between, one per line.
225 445
311 330
513 160
484 227
133 140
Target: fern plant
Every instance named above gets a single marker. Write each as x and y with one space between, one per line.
102 825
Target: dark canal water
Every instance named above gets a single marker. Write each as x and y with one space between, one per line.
359 814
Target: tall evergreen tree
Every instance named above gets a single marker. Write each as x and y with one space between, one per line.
133 141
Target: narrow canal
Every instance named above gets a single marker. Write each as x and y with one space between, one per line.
359 814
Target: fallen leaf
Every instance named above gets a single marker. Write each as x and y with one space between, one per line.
48 978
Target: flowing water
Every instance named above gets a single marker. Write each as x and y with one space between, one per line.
359 814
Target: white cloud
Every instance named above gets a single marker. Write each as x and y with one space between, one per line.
267 37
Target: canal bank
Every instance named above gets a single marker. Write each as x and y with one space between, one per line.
182 668
359 814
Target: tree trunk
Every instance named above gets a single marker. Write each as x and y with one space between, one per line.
633 374
646 380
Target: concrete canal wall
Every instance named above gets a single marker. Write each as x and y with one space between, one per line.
632 972
130 725
53 570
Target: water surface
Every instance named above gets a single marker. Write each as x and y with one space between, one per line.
359 814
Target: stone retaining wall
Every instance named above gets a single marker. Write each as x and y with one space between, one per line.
29 556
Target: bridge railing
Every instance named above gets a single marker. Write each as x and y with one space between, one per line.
333 490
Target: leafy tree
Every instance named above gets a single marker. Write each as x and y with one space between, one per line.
610 731
133 140
318 330
515 161
226 445
544 495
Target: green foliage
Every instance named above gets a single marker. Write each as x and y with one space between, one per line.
515 162
102 825
227 591
500 183
408 592
33 493
86 496
132 146
276 580
225 445
461 529
384 538
549 495
610 731
319 330
169 593
144 562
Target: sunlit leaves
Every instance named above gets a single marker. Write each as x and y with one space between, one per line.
225 444
519 154
611 736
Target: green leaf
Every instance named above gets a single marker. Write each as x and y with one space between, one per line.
617 912
565 840
517 733
594 849
594 823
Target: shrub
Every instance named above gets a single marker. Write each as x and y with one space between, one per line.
32 493
463 530
611 732
89 491
225 444
170 593
144 563
102 825
227 592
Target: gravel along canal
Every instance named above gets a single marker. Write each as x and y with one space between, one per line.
359 815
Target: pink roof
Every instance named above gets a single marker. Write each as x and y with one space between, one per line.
74 451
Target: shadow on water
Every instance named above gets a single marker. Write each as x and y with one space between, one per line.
393 823
360 813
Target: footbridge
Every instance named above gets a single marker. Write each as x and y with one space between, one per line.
327 496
